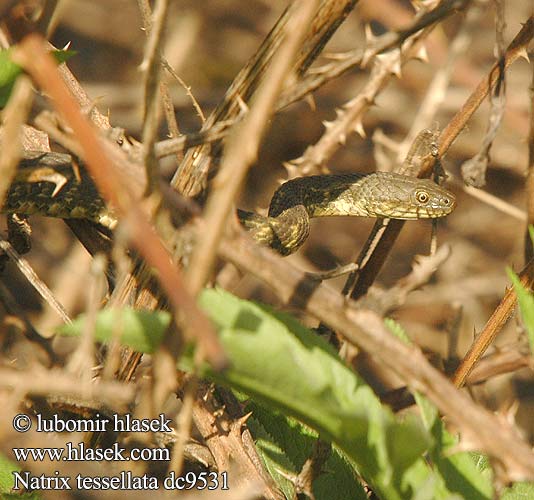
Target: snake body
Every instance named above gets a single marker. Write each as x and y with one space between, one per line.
47 184
378 194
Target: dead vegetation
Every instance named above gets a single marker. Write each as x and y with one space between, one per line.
221 102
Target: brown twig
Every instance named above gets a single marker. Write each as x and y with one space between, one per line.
508 302
509 360
14 117
242 146
497 320
40 382
349 117
516 49
479 428
223 437
151 66
23 323
437 89
474 169
190 177
38 284
40 65
423 268
313 80
529 182
382 245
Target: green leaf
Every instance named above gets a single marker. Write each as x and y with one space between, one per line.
7 467
288 368
9 71
63 55
8 74
285 444
526 306
531 232
141 330
519 491
6 476
458 472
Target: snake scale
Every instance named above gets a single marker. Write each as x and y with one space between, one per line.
47 184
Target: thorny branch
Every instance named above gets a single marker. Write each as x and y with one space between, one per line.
480 429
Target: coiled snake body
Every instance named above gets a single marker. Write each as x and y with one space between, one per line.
53 188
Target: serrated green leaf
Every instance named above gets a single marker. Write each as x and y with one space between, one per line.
9 71
285 444
141 330
526 306
457 473
288 368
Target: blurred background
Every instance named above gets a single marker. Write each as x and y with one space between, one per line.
207 44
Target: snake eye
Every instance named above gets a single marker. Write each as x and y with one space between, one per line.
422 196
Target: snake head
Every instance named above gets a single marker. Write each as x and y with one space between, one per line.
402 197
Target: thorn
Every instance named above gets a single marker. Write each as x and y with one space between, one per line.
396 70
280 180
328 125
310 100
292 169
422 54
524 54
370 43
67 46
358 128
396 63
47 175
508 414
219 412
297 161
242 104
240 422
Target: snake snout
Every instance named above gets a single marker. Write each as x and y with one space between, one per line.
448 202
442 204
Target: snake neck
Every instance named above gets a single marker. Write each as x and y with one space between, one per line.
320 196
288 225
